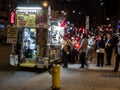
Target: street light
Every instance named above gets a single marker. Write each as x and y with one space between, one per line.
45 4
107 19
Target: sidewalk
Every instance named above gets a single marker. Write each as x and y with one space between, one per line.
75 78
104 68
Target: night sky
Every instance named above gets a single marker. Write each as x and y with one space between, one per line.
85 7
111 7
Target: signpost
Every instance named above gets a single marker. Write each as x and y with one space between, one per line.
87 23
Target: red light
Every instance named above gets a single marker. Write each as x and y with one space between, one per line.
77 45
76 38
81 30
12 17
107 29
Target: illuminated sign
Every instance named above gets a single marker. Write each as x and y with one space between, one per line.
118 24
12 17
12 34
2 26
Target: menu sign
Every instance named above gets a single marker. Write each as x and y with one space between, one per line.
26 20
12 34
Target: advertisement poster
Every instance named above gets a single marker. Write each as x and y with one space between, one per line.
12 34
56 33
42 36
26 20
41 20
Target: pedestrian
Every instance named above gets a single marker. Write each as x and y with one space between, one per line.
65 51
117 54
74 51
89 48
100 49
82 50
109 48
69 43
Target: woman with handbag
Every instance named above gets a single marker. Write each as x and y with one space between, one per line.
100 45
66 51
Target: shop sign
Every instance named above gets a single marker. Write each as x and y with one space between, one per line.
12 34
26 20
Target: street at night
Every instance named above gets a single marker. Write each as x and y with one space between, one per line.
59 45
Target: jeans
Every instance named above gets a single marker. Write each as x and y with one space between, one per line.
89 54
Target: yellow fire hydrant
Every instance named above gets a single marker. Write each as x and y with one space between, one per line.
55 72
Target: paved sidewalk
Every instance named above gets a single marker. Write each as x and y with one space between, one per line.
105 68
74 78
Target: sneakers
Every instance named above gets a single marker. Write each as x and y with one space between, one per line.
81 67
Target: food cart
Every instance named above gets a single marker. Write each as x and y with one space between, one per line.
36 38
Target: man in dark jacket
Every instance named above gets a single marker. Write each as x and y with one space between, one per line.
117 55
109 48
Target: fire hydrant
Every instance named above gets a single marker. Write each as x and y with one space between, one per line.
55 72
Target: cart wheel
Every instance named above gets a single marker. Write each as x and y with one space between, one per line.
19 68
45 67
18 65
35 66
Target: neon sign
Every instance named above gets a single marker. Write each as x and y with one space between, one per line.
12 17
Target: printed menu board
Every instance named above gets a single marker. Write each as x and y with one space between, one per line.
12 34
26 20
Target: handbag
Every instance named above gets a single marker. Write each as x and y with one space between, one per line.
100 50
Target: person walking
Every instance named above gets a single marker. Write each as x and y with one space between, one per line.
100 49
117 49
82 50
89 48
109 48
65 48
